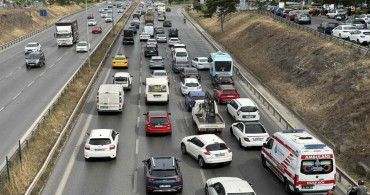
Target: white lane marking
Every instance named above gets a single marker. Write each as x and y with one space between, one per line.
135 182
73 157
15 97
30 83
51 65
137 122
138 105
202 175
2 109
139 90
42 74
137 146
8 75
186 122
140 80
141 69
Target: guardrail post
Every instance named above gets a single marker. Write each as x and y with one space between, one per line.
339 177
7 168
20 151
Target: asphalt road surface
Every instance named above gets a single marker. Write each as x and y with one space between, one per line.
24 93
74 175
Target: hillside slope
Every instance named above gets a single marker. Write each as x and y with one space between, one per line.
328 85
19 22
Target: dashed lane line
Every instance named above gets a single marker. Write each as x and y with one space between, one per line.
30 83
15 97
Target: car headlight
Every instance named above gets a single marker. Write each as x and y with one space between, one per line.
37 61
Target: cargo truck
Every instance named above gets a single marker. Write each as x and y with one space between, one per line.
149 17
128 36
66 32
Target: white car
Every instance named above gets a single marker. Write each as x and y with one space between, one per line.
110 10
343 31
151 42
109 19
82 46
207 149
144 36
161 38
360 36
135 20
249 134
228 185
101 143
124 79
190 84
200 63
243 109
31 47
365 17
173 41
91 22
104 15
177 45
101 10
161 74
120 10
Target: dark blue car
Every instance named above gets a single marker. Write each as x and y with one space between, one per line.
191 97
279 11
134 29
162 174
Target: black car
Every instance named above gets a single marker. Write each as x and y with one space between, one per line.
35 59
173 32
189 72
168 9
178 65
327 27
150 50
133 28
219 79
167 23
162 174
136 24
159 30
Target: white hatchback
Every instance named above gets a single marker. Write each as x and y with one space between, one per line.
92 22
200 63
243 109
228 185
82 46
190 84
343 31
32 47
101 143
207 149
360 36
249 134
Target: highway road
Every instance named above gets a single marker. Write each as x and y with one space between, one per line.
74 175
26 93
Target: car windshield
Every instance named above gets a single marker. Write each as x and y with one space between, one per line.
33 56
100 141
160 74
249 109
230 91
163 173
216 147
332 25
157 88
121 78
150 48
119 58
152 41
156 60
197 97
203 60
161 35
192 84
31 45
256 128
158 121
366 33
82 44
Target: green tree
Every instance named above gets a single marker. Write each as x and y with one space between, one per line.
223 8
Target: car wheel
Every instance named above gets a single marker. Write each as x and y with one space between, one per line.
183 149
340 35
201 162
358 41
206 189
27 67
286 187
147 134
240 143
263 159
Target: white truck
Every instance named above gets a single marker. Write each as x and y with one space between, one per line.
110 98
156 90
206 117
66 32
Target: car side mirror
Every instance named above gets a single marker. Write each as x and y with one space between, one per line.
145 114
169 113
264 145
188 140
211 185
144 83
88 134
251 184
117 133
178 160
144 161
55 35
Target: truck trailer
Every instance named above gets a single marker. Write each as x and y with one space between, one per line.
66 32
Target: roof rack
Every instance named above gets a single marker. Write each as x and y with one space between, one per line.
293 131
315 146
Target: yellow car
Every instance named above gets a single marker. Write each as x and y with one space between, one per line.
120 61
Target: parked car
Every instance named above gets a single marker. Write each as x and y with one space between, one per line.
343 31
179 64
360 36
167 23
286 12
162 174
303 19
156 62
150 50
189 73
249 134
82 46
157 122
161 38
32 47
207 149
91 22
279 11
191 97
291 15
365 17
101 143
173 41
97 29
228 185
358 23
243 109
190 84
35 59
225 93
200 63
327 27
160 74
222 78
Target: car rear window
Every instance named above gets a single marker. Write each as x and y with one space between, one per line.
119 58
230 91
366 33
316 167
224 78
216 147
164 173
249 109
350 28
191 71
254 129
157 88
160 74
101 141
181 54
158 121
191 84
121 78
82 44
156 60
332 25
203 60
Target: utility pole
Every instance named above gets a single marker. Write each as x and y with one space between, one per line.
87 37
114 33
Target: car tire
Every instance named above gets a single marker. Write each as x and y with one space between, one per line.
241 144
183 149
340 35
201 162
286 187
228 163
206 190
263 160
149 191
147 134
28 67
231 131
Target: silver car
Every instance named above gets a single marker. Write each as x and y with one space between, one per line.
156 62
303 18
161 38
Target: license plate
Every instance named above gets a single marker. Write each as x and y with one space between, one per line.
230 96
157 95
257 139
164 186
307 187
248 116
158 126
103 107
221 154
99 149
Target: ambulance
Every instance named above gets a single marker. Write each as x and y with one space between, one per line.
303 163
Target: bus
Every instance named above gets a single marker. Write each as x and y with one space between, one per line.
220 63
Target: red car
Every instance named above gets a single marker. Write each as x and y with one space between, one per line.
90 16
291 15
225 93
157 122
97 29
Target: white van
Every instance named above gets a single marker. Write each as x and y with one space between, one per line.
301 161
156 90
149 30
110 98
124 79
180 54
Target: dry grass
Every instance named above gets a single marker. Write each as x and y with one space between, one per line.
327 84
40 145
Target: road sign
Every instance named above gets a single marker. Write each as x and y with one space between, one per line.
43 13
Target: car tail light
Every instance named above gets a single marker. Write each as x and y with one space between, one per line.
87 147
229 150
247 139
97 100
207 153
185 87
146 95
258 112
296 177
191 101
151 179
231 81
202 129
268 138
238 112
177 178
219 81
220 129
362 36
112 147
199 87
335 176
169 125
120 100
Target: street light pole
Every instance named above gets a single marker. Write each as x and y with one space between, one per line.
87 37
113 18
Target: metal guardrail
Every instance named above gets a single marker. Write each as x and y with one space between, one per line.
19 39
341 174
364 50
